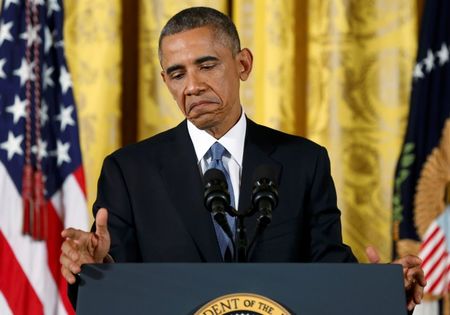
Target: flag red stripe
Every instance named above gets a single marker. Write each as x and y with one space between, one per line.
431 253
79 176
437 282
436 264
448 277
20 295
429 238
54 243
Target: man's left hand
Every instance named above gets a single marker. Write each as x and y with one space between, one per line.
414 278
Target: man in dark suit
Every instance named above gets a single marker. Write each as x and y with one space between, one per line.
150 207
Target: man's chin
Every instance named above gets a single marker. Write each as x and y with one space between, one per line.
203 123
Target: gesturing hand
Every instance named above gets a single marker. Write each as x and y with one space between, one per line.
82 247
413 276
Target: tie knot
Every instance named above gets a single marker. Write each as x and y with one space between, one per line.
217 151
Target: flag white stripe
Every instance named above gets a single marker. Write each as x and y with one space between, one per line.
434 258
440 288
430 230
432 277
427 308
31 255
72 202
426 250
4 307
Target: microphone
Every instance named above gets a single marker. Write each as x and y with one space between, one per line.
264 198
265 193
217 198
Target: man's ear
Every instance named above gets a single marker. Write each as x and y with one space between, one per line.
245 59
163 76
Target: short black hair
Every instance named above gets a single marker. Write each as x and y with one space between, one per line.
196 17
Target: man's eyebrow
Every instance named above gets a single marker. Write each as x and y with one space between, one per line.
205 59
198 61
173 68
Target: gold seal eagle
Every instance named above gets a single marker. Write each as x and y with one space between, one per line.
432 195
432 190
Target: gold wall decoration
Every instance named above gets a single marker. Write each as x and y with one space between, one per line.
361 56
273 94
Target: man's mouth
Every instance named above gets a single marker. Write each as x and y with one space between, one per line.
200 103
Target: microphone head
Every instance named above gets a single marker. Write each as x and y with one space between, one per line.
266 171
216 195
214 174
265 188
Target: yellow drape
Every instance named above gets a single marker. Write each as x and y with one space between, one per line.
273 95
157 111
338 71
335 70
93 48
360 59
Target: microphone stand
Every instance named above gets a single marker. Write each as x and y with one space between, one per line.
241 242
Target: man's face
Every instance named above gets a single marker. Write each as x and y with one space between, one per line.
203 77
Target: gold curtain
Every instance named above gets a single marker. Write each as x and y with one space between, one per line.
274 95
337 71
157 111
360 59
93 48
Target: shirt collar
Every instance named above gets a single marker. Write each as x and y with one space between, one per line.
233 140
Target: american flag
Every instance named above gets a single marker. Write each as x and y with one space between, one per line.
421 198
434 252
42 187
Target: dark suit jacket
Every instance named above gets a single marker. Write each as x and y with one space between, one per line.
154 193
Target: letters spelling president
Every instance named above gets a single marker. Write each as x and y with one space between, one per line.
149 206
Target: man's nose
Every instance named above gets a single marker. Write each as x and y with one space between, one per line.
194 84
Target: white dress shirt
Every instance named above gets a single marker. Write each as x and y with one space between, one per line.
233 141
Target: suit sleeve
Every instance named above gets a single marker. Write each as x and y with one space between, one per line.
114 195
325 217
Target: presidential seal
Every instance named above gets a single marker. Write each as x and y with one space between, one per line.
242 304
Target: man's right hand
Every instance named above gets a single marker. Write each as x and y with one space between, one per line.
80 247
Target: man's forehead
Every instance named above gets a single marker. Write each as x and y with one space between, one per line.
192 44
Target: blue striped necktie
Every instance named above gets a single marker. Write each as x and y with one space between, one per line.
217 151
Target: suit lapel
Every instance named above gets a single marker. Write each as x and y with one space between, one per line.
257 151
185 186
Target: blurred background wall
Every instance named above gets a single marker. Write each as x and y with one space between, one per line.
335 71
